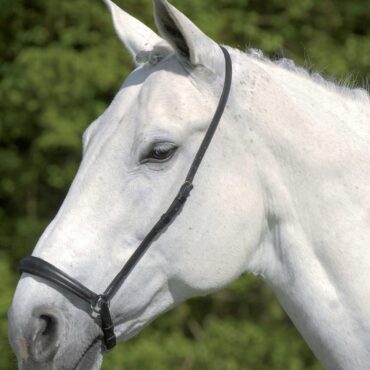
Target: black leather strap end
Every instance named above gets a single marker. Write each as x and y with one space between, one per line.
176 205
110 339
184 192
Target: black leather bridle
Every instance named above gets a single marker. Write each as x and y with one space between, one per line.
99 303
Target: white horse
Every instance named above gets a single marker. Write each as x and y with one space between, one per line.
283 192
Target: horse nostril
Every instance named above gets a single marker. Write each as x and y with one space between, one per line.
45 337
49 325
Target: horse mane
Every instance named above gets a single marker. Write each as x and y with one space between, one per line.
345 88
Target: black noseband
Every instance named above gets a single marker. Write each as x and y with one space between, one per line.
99 303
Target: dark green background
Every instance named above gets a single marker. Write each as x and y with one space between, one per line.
60 65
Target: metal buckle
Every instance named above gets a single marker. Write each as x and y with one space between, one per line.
96 306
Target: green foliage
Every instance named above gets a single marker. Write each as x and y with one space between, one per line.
60 65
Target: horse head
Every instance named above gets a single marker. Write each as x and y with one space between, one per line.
135 157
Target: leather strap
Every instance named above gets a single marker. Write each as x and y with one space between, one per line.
99 303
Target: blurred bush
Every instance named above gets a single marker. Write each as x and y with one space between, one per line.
60 65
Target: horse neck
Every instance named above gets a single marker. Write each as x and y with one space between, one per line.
311 143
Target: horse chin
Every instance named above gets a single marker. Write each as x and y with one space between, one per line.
91 359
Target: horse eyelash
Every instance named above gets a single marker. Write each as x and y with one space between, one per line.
146 157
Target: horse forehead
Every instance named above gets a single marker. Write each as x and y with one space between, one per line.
172 95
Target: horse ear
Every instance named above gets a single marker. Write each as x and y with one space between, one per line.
137 37
189 42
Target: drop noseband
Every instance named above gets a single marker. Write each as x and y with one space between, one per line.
99 303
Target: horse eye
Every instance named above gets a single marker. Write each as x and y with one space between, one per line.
159 152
